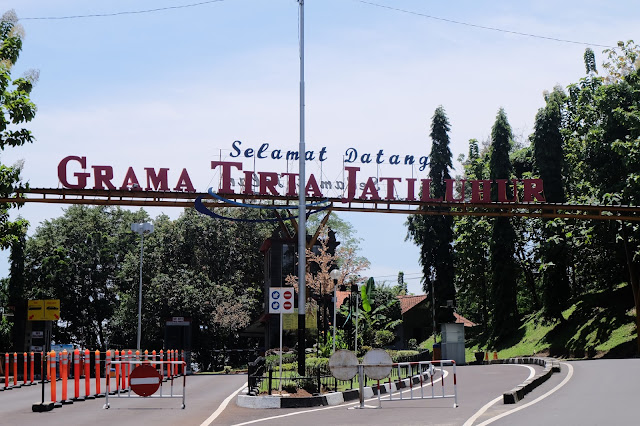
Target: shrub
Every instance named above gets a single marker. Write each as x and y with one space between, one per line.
315 364
227 369
383 338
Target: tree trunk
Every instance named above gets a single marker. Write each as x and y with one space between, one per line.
529 279
634 278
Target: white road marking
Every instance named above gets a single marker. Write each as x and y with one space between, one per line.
221 408
386 397
538 399
481 411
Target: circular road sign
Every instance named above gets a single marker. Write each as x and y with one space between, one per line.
288 294
343 364
286 305
377 364
145 380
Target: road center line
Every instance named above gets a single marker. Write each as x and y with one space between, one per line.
469 422
446 373
222 406
538 399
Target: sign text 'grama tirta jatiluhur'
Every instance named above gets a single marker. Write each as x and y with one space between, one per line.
74 173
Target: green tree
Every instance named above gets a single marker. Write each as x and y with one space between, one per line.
471 248
209 270
77 258
434 233
603 148
547 144
502 247
16 109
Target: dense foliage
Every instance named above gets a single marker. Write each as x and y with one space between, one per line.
586 148
16 109
434 233
210 271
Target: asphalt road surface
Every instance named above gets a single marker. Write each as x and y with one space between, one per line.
600 392
204 394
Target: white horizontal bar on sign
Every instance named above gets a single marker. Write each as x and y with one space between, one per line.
145 380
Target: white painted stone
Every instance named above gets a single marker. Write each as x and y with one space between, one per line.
334 398
368 392
258 401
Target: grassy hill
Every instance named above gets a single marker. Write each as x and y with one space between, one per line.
598 325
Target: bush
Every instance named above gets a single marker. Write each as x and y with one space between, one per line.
383 338
227 369
413 344
272 361
401 356
314 364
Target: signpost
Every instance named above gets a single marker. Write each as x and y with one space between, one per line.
280 302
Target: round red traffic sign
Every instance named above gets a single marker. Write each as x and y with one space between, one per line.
286 305
288 294
144 380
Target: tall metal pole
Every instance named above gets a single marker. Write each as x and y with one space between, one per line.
302 218
433 309
140 291
335 284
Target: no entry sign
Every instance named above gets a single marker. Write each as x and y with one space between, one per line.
145 380
280 300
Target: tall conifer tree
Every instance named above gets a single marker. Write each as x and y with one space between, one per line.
502 247
548 154
434 234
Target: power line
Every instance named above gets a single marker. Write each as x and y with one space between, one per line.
396 9
483 27
131 12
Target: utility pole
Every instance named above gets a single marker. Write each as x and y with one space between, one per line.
302 214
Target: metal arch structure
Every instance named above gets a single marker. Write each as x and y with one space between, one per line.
132 198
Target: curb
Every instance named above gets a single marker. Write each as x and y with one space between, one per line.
333 398
551 365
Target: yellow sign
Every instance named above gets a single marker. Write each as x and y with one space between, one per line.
290 321
35 310
43 310
52 310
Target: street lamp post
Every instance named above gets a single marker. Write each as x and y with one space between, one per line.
141 228
335 275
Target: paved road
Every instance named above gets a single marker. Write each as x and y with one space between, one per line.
599 392
204 395
477 385
602 392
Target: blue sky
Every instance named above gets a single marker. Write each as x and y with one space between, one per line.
175 88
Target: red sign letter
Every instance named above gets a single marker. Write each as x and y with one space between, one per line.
480 197
533 190
82 177
103 176
226 174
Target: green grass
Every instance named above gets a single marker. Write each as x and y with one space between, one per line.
598 325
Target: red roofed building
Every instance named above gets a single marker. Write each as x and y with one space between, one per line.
416 317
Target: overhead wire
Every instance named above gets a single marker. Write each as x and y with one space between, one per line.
130 12
483 27
370 3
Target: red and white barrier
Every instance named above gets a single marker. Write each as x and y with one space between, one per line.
424 368
134 383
